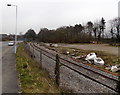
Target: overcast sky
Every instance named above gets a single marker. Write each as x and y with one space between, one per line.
52 14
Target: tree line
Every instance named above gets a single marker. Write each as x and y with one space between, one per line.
92 31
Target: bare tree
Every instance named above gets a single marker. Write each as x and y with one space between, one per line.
96 29
115 26
90 28
102 26
101 29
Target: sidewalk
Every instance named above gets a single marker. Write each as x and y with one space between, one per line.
9 74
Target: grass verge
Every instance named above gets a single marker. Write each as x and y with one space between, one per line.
32 79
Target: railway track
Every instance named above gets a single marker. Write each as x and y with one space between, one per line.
101 77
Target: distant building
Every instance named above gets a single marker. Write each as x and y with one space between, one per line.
11 37
3 36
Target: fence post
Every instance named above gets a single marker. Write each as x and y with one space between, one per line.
28 48
57 70
33 53
40 57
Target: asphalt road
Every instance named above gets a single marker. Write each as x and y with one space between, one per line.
9 74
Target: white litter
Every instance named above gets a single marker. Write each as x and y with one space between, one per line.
108 68
77 57
90 56
68 52
55 45
114 68
98 61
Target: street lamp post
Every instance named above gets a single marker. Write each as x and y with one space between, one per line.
15 27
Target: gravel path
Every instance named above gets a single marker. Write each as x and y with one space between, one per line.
98 47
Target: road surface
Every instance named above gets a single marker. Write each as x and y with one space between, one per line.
9 74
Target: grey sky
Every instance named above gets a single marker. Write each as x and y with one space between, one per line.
52 14
119 9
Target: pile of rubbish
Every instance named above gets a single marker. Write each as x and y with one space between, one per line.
115 68
92 58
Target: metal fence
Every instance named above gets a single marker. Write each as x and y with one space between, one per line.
69 75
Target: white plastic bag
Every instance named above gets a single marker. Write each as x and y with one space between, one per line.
90 56
114 68
98 61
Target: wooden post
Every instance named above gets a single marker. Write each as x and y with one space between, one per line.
30 51
119 52
57 70
41 58
118 85
33 53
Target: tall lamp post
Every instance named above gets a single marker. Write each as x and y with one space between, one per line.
15 27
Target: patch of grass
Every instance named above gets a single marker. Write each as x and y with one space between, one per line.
32 79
